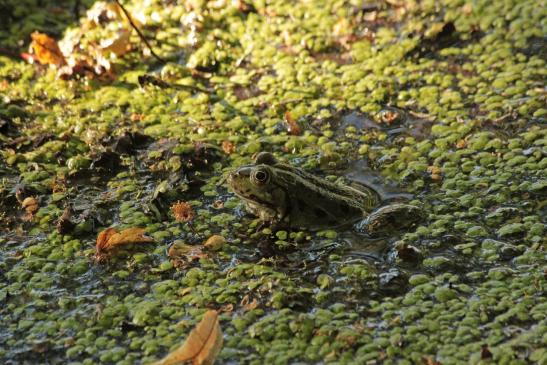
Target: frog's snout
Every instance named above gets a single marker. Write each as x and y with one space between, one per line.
231 177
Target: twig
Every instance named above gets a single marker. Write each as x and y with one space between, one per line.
138 31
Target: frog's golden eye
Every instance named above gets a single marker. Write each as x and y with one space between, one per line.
260 177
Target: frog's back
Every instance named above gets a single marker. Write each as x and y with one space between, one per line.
315 201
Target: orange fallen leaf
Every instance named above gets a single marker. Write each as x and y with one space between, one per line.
182 211
293 127
110 238
247 304
202 345
46 50
30 205
228 147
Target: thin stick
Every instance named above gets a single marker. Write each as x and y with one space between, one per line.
138 31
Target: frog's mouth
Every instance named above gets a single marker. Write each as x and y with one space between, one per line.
254 199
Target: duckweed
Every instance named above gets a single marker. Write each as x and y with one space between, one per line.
441 100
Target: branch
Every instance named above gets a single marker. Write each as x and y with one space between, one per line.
138 31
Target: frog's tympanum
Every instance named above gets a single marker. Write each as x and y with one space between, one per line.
280 193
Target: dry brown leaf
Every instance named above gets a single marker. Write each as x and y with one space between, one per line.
247 304
110 238
293 127
215 242
202 345
228 147
46 50
182 211
182 255
435 172
462 143
30 205
227 308
118 45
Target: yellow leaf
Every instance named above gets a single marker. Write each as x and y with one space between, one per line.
110 238
202 345
102 239
46 49
117 45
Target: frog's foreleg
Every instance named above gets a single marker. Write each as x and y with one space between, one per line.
390 218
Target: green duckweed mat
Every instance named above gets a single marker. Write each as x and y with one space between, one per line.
441 100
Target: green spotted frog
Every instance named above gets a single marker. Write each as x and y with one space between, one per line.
280 193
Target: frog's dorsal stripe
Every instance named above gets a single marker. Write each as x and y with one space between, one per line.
364 198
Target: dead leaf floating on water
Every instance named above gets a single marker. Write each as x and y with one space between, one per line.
46 50
111 237
183 255
30 205
202 345
228 147
215 242
292 125
182 211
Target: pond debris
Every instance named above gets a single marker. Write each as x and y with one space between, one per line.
183 255
46 50
202 346
228 147
215 242
30 205
110 238
64 224
292 125
183 211
248 304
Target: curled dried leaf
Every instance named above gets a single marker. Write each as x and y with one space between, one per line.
202 345
110 238
182 255
293 127
215 242
247 304
228 147
30 205
182 211
389 116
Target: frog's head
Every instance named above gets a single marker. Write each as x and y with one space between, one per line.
256 184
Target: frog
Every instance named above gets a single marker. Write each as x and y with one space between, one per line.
281 194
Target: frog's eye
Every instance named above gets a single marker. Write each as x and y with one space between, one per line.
260 177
